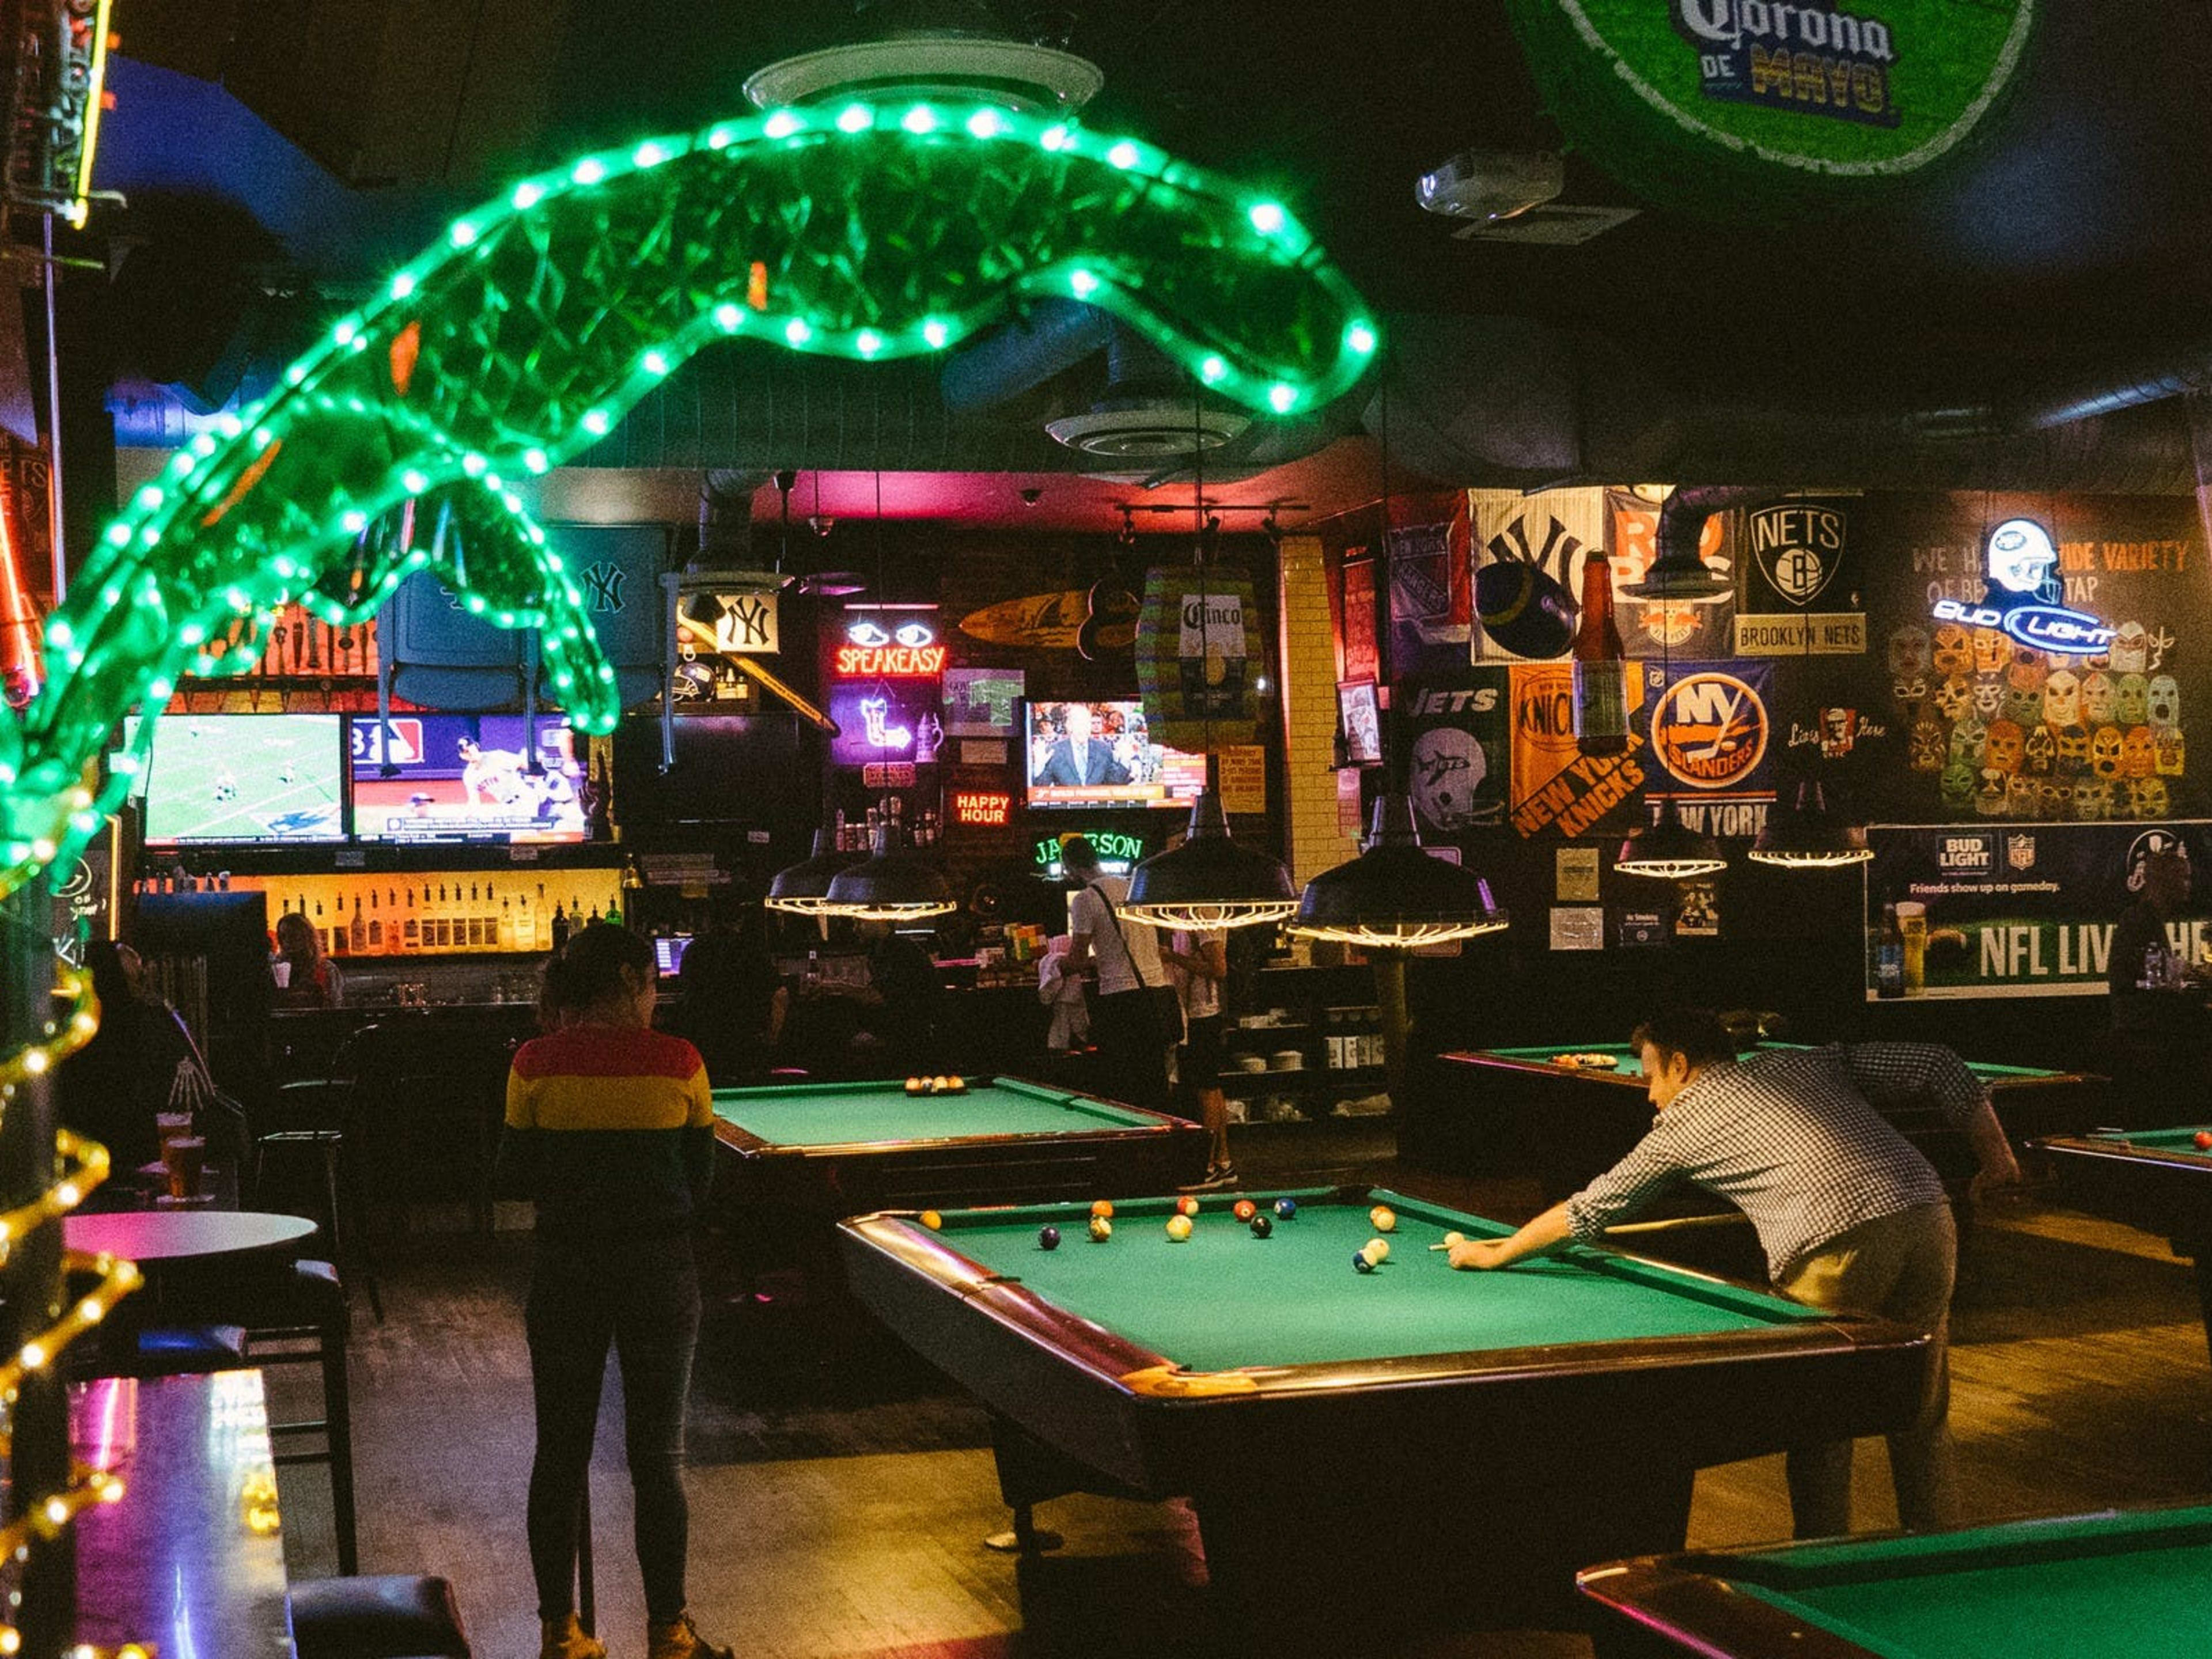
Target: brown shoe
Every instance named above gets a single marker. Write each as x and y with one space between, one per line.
564 1638
680 1640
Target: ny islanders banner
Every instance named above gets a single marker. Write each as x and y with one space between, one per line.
1713 743
2025 909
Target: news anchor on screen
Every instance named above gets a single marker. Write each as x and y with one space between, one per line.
1078 758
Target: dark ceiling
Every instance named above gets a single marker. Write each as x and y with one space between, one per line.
2077 237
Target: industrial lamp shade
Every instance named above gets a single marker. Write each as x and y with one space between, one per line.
1395 895
1669 850
890 884
1209 883
1809 835
803 888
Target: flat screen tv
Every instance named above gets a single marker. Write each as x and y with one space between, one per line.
1101 755
242 778
467 778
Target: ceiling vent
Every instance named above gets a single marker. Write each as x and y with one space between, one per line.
1147 430
924 58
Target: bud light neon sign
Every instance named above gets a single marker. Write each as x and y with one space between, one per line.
2022 601
2045 627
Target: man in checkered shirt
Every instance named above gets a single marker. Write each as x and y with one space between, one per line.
1849 1214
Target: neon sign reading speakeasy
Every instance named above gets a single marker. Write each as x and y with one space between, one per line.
909 651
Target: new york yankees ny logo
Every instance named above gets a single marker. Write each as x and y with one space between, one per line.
603 587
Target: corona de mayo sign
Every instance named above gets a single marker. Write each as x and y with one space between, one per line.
1709 730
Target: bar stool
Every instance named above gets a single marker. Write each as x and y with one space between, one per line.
386 1616
320 1115
302 1319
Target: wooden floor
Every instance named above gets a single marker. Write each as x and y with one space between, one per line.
836 1508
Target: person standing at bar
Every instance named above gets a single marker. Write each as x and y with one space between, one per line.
311 979
610 1129
1126 1017
2160 1031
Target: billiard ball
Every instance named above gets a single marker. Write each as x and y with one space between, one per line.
1377 1251
1100 1230
2204 1140
938 1085
1103 1208
1383 1218
1048 1238
1360 1264
1186 1205
1178 1228
958 1085
1286 1208
1262 1224
930 1219
1454 1238
1245 1210
914 1085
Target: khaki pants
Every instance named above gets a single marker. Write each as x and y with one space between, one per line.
1901 1267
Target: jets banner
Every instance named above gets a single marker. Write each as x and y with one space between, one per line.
1461 738
2025 909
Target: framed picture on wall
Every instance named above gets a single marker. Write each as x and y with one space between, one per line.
1362 722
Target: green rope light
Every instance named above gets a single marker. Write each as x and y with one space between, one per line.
869 231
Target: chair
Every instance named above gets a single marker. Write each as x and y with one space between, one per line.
386 1616
300 1317
319 1116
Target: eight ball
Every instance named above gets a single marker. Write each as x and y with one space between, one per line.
1048 1238
1262 1224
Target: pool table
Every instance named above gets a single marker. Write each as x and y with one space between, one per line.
1377 1441
2158 1180
2134 1582
841 1148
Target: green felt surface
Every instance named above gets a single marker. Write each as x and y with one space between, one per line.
1632 1067
2181 1140
835 1113
1224 1299
2133 1585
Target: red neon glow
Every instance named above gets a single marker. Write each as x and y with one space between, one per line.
981 808
907 662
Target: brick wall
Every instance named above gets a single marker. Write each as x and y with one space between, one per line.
1307 653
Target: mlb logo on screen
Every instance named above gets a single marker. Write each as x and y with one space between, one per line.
2019 852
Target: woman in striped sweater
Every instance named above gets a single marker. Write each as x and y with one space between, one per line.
608 1128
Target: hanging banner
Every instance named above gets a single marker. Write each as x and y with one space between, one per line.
1555 788
1680 626
1357 661
1198 655
1713 747
1431 605
1460 749
2023 909
1518 539
1801 583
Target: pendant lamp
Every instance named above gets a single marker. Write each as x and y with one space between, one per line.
1669 850
1210 883
1395 895
1808 835
890 884
803 889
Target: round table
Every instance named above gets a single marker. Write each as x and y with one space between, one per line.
153 1237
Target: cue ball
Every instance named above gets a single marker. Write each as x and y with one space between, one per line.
1454 1238
1100 1230
1245 1210
1383 1217
2204 1140
1262 1224
930 1219
1360 1264
1186 1205
1286 1208
1178 1228
1048 1238
1377 1251
1103 1209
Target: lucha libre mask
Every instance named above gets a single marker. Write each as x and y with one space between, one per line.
2137 758
2105 751
2098 696
2038 749
2073 748
1925 747
2002 749
2131 700
2130 648
1957 785
2028 670
2169 752
2051 799
1908 651
2149 798
2093 799
1954 652
2021 798
1991 791
2162 700
1970 740
2022 709
1992 651
1954 697
2062 697
1910 688
1988 696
